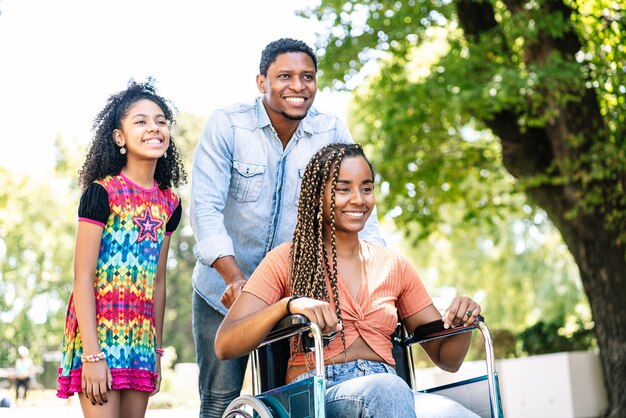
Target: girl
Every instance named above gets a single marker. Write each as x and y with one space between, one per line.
112 340
331 277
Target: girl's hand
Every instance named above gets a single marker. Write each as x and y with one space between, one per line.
158 378
316 311
96 381
463 310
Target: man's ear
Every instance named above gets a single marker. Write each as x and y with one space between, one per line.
260 83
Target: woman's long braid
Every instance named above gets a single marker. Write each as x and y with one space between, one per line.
310 264
307 265
332 273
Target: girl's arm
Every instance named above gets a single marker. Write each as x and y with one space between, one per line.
160 296
447 353
96 377
250 319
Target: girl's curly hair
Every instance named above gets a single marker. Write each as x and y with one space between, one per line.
103 156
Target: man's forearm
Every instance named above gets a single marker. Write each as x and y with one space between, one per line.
228 268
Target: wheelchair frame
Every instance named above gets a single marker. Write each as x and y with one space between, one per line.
435 330
264 390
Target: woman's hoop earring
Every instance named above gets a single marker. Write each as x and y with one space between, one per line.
123 150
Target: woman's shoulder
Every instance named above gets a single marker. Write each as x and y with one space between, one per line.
389 254
281 251
379 249
278 257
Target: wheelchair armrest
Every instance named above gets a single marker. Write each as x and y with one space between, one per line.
293 325
286 327
434 330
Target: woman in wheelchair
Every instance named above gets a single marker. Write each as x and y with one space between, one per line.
349 286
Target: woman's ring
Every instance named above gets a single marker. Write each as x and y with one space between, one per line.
469 312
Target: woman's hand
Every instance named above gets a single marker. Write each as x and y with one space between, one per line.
96 381
316 311
463 310
158 378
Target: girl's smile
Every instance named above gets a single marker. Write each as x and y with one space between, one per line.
144 132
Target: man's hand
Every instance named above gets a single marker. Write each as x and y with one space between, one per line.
233 277
232 292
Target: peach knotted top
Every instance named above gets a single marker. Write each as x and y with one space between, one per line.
391 289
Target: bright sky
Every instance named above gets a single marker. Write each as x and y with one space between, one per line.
61 59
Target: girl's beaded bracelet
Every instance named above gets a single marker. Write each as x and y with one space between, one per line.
160 351
92 358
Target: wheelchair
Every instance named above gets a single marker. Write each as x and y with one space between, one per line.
273 399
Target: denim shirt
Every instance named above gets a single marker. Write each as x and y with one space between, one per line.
245 188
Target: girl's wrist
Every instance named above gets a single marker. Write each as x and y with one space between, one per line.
160 352
92 358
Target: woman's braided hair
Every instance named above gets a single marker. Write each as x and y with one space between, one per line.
310 263
103 156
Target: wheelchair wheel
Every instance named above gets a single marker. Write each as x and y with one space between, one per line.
247 407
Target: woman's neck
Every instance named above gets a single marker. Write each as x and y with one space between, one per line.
346 245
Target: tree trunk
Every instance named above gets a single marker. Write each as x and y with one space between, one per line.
602 265
599 254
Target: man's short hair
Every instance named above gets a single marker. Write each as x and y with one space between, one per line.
282 46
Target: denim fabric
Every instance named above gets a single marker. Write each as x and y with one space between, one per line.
430 405
245 188
244 198
364 388
220 381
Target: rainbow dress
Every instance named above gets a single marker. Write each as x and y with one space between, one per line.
135 221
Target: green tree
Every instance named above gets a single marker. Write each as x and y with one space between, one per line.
454 90
517 269
177 330
36 241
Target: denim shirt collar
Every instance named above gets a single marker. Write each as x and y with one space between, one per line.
263 120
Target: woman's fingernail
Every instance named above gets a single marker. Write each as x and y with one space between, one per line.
446 325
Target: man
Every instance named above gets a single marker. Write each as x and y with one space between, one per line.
247 171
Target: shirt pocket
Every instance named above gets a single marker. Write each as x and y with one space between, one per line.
296 198
246 181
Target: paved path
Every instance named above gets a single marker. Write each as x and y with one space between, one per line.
45 405
73 411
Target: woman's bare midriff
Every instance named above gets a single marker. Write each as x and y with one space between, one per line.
359 350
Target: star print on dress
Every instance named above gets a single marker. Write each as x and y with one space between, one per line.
148 225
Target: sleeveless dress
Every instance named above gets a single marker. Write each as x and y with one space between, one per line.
135 221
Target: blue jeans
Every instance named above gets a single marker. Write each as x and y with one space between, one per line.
364 388
220 381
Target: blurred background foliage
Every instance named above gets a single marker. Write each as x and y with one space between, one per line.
497 128
444 195
521 276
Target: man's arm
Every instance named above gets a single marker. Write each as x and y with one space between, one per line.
235 280
209 190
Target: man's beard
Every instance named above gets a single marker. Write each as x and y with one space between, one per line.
291 117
